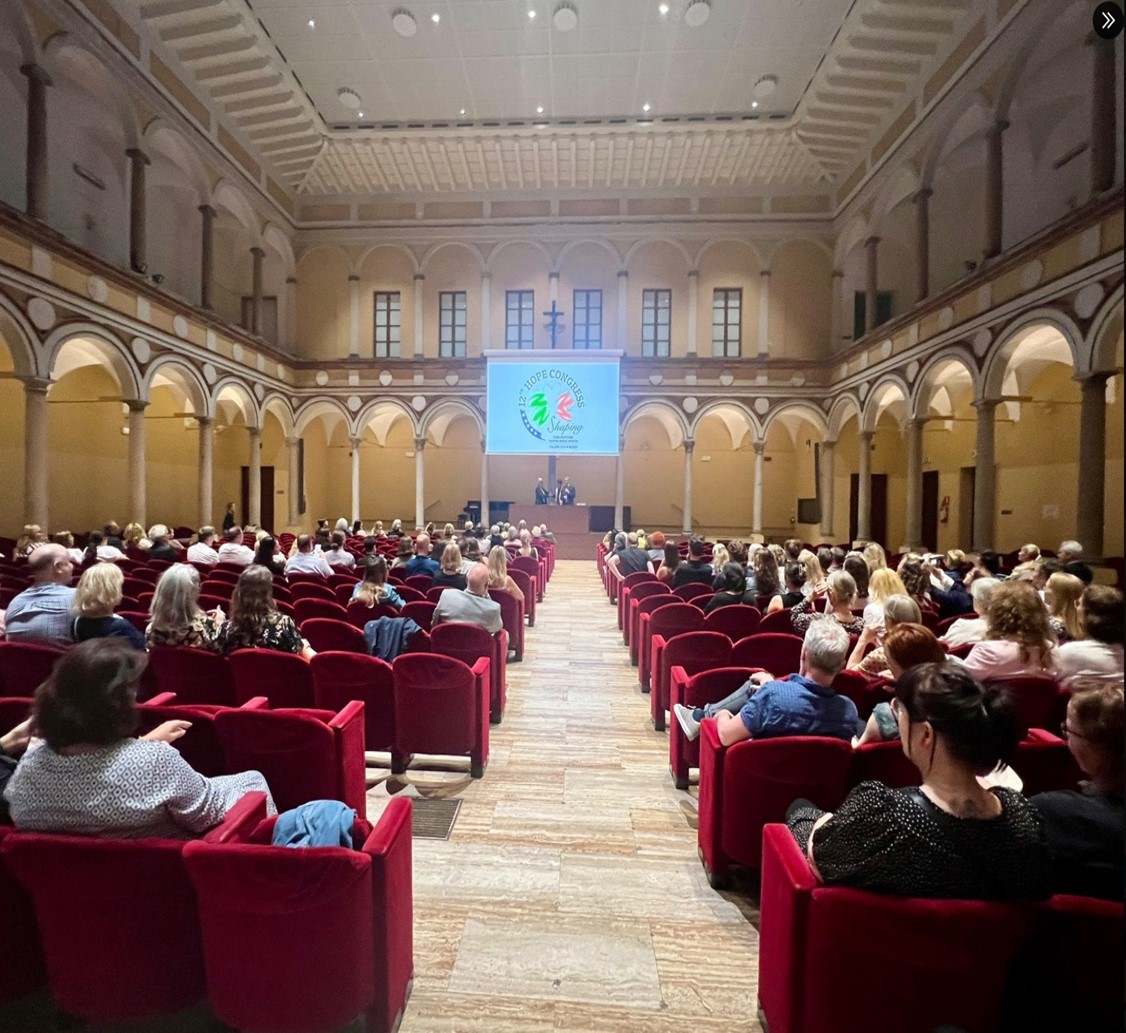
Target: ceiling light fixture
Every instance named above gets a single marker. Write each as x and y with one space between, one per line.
462 112
765 87
754 103
312 23
349 98
403 22
532 13
435 17
697 12
644 107
565 17
662 9
539 110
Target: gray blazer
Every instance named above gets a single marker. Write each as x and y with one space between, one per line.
462 605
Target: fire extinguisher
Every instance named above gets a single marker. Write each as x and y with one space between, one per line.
944 510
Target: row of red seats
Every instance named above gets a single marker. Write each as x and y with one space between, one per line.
124 930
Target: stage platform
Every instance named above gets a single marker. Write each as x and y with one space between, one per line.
570 524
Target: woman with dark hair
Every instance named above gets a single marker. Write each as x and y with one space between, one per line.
1084 829
767 581
795 578
734 588
1098 653
951 837
91 778
266 555
667 570
855 565
404 552
374 588
97 550
255 622
914 572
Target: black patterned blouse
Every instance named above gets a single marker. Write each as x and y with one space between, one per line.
277 632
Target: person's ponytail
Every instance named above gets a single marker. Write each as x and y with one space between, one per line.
1005 729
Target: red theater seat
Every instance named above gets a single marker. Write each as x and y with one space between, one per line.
665 621
283 678
696 690
735 622
24 666
326 634
194 675
694 651
778 654
469 643
339 678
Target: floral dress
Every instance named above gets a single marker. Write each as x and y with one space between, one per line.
277 632
201 633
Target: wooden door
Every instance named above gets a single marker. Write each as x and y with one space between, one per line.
879 507
267 497
930 509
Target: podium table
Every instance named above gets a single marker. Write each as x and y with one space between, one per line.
574 539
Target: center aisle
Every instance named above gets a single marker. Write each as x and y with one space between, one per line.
570 896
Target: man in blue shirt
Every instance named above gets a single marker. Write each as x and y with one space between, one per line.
802 704
421 563
42 613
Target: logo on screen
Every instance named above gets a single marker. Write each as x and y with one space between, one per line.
546 401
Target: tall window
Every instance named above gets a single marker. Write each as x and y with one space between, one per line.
587 319
451 324
656 322
727 312
387 328
519 323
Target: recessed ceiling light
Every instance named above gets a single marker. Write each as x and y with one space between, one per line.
349 98
662 9
462 112
754 103
312 23
532 13
697 13
565 17
403 22
359 114
644 107
539 110
435 17
765 87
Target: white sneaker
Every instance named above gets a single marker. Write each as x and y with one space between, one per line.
688 723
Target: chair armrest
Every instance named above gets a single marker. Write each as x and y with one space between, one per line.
348 732
482 674
256 703
241 821
352 710
1041 735
503 647
709 829
678 679
161 699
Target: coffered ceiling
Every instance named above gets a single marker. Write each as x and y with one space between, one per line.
768 95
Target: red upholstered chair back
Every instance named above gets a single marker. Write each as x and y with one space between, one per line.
1044 762
343 591
339 678
410 595
14 710
283 678
118 922
420 582
139 620
420 611
883 762
24 666
693 590
318 589
512 618
466 642
214 575
307 609
1036 700
133 586
200 747
219 588
530 587
293 749
735 622
23 970
359 613
647 589
195 675
656 601
762 777
675 619
435 704
342 636
526 564
779 621
863 691
778 654
306 579
695 651
639 578
435 593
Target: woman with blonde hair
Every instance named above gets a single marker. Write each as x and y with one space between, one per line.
526 546
30 540
898 609
134 536
720 558
449 569
1018 640
177 619
255 622
914 572
98 595
1061 596
839 592
499 577
882 584
814 575
66 540
875 557
374 588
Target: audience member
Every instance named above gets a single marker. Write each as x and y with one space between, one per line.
1061 596
814 583
825 560
470 554
951 837
42 613
176 617
162 547
883 583
375 588
97 597
91 778
337 555
449 569
734 589
132 540
232 550
203 550
1070 555
948 591
526 546
766 580
720 558
421 563
793 549
404 552
499 578
968 630
631 560
1084 829
396 529
802 704
1018 640
1028 553
472 604
266 555
666 572
1098 653
66 540
98 552
875 557
305 560
839 593
837 558
31 539
696 569
898 609
853 564
795 578
255 622
229 517
915 573
656 548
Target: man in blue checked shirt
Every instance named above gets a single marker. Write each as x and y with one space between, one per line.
42 613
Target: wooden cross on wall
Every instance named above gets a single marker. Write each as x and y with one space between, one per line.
553 324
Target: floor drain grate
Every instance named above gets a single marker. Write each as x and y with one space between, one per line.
433 819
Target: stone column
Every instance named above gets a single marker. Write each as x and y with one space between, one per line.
486 313
484 521
419 485
914 485
985 476
864 487
254 486
353 316
836 309
756 507
293 450
37 169
693 310
828 451
207 256
689 445
354 443
1104 97
623 309
136 461
206 443
290 336
871 290
923 243
258 256
419 280
36 468
138 162
1092 464
763 313
994 188
619 486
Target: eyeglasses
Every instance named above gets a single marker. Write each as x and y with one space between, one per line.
1065 731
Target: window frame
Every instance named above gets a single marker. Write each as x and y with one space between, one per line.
722 348
591 330
660 346
521 326
449 345
387 339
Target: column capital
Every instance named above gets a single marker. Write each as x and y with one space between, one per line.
35 385
831 443
764 274
694 274
353 278
206 211
419 444
997 128
866 435
838 274
623 274
689 445
553 274
291 280
135 154
759 447
355 443
1099 377
917 421
37 73
292 442
136 404
419 277
871 242
255 432
923 195
985 404
204 421
258 252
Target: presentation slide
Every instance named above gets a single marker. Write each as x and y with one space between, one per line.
551 405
